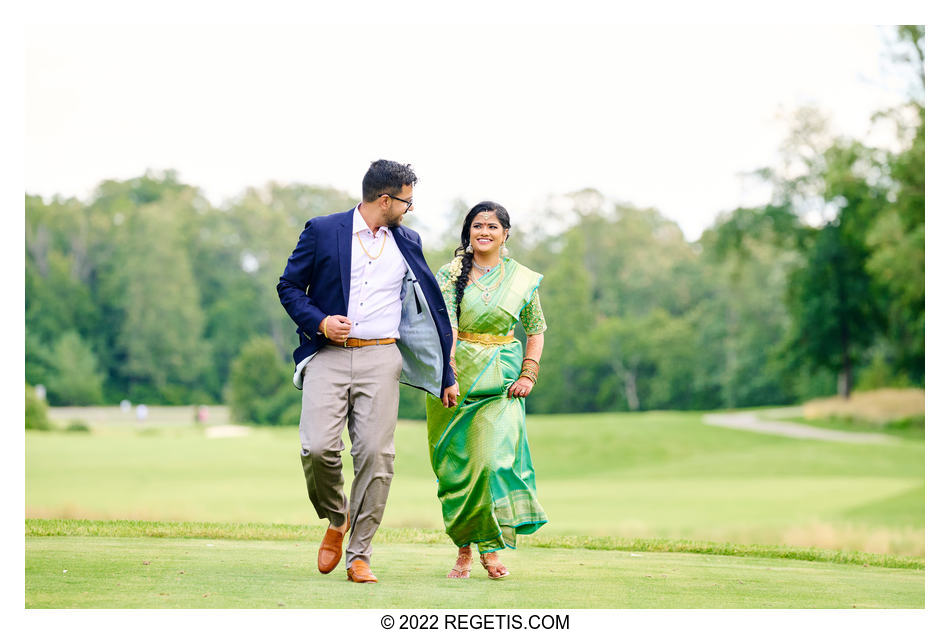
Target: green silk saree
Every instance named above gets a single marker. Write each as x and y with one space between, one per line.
479 449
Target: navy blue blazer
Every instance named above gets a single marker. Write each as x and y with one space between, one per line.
316 283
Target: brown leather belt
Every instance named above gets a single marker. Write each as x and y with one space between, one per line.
353 342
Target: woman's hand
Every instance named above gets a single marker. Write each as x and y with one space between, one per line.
520 388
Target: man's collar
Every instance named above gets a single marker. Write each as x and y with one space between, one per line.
359 223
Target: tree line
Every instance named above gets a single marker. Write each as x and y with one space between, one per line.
150 293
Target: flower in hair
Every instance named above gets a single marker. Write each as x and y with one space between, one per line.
455 269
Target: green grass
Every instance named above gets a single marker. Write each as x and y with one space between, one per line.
630 476
161 572
910 428
276 532
646 510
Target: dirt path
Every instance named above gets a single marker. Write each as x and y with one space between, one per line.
766 422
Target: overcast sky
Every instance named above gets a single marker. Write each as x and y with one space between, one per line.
660 116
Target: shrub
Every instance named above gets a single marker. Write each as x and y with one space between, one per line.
36 417
909 423
77 425
260 389
877 406
880 373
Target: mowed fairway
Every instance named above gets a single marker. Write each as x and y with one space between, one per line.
94 572
633 477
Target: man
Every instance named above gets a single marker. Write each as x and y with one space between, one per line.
370 315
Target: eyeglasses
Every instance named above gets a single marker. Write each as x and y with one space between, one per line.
408 202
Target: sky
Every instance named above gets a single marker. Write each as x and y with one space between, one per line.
670 117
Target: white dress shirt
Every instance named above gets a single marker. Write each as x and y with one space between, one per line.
377 269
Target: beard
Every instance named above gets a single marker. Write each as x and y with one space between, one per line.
394 221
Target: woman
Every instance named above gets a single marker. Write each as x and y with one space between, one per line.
479 448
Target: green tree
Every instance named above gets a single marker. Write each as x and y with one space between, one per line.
161 331
58 269
644 362
742 320
38 360
262 228
260 390
36 415
74 377
832 317
896 237
835 308
566 298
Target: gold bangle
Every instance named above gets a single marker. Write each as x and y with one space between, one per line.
325 327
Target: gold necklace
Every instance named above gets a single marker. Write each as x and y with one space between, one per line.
372 257
487 291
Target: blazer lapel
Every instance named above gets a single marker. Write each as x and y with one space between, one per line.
345 242
405 247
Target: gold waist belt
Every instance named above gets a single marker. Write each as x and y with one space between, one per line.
479 337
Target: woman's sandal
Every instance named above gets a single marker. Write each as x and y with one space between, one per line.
495 569
463 565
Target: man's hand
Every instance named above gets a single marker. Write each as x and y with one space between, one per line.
450 395
336 327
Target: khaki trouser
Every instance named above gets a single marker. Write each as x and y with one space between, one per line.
357 388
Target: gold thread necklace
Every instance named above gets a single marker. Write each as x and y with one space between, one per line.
363 246
488 290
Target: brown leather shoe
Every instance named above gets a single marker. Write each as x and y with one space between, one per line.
331 548
359 572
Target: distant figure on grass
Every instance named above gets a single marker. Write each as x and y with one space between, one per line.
479 448
358 281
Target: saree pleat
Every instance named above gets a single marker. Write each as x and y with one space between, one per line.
479 449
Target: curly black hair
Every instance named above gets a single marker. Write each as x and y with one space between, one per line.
386 177
468 258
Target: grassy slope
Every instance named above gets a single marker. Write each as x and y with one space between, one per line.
653 474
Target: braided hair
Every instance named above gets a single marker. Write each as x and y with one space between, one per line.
468 258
